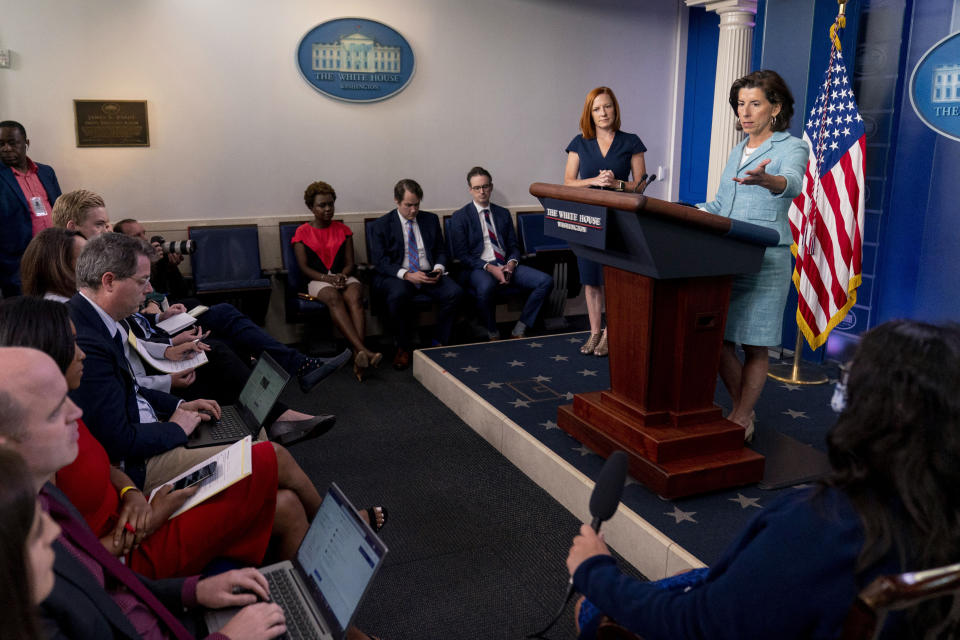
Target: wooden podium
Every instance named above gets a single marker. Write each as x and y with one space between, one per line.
668 270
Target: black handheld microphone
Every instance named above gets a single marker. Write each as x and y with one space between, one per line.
648 182
608 489
603 504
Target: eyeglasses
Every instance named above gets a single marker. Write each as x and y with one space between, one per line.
482 187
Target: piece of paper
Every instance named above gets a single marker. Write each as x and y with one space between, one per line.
197 310
177 322
163 364
233 464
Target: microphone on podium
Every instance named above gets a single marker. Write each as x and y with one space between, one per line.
603 504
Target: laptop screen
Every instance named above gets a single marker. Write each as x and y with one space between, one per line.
339 555
263 387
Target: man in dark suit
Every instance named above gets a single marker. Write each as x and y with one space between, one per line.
407 250
92 589
27 193
133 423
483 239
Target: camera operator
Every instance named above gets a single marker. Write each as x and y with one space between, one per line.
165 273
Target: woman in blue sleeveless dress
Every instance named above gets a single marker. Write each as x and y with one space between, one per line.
600 156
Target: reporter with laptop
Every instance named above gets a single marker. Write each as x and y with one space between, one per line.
226 525
144 428
94 595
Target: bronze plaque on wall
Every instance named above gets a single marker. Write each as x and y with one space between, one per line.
112 123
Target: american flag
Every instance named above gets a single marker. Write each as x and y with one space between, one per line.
827 217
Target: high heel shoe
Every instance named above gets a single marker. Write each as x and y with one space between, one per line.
602 350
360 364
749 430
591 344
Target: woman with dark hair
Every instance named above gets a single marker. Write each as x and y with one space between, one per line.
47 265
26 556
762 176
890 505
324 251
600 156
237 523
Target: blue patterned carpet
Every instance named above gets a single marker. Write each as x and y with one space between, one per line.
528 379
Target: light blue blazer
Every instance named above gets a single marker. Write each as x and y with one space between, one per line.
753 203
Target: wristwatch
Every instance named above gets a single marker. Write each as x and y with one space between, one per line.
620 185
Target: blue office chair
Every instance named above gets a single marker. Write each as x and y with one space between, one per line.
296 309
226 268
553 256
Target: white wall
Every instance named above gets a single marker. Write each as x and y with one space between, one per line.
236 132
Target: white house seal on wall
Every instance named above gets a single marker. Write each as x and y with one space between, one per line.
355 60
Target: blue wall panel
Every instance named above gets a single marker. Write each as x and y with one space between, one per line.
703 36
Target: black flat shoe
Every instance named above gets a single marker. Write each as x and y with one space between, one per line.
287 432
324 368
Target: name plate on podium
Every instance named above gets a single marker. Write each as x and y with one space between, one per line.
575 222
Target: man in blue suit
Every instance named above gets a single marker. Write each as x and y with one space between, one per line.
407 250
27 193
483 239
133 423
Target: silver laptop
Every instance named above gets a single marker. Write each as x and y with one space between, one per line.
260 393
322 588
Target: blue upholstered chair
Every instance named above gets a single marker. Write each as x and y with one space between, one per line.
296 309
226 268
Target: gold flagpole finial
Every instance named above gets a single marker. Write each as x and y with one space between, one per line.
838 24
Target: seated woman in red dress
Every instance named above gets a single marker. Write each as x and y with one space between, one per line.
324 251
237 523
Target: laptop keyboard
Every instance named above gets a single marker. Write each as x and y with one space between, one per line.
229 427
284 592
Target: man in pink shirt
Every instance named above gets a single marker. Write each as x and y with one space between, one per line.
27 193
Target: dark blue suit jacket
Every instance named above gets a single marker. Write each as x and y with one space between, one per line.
107 395
16 226
388 242
466 235
78 607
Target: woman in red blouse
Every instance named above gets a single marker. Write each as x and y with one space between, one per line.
237 523
324 251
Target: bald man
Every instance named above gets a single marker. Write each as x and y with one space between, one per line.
39 421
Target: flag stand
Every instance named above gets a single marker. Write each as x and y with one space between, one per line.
799 372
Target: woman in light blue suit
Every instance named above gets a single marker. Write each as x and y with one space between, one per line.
762 176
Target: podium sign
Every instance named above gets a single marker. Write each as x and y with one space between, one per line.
575 222
668 270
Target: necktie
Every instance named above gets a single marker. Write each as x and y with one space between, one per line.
83 538
492 232
413 253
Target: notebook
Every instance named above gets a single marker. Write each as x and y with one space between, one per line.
246 418
329 577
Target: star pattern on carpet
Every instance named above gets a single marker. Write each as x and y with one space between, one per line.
450 354
470 369
549 377
681 516
535 345
745 502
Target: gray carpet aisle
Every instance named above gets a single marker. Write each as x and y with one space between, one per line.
477 550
